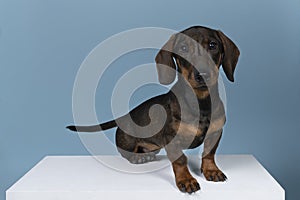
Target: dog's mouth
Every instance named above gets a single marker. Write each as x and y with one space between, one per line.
201 87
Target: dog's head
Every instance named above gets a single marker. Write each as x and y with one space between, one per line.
199 52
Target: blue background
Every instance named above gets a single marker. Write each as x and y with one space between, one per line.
43 43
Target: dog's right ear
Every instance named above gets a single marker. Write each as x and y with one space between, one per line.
165 65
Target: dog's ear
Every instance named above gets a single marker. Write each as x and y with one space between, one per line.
165 65
230 55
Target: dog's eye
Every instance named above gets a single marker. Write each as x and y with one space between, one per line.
184 48
212 45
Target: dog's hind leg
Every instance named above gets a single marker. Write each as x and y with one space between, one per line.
133 150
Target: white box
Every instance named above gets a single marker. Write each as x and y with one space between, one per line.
84 178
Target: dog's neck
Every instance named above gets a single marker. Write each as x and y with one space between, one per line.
208 102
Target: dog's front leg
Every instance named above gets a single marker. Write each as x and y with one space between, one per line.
208 166
184 180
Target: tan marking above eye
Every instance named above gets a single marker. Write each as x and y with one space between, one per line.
185 72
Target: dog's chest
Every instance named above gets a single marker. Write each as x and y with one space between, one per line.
191 133
192 127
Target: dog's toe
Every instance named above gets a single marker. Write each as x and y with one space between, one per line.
142 158
182 188
215 175
133 160
189 185
148 158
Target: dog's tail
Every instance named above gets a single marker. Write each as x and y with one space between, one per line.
94 128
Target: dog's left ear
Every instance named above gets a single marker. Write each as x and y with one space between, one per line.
230 56
165 65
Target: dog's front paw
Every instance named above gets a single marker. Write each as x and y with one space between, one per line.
141 158
215 175
188 185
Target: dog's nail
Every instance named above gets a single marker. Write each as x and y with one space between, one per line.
197 186
224 177
211 178
189 189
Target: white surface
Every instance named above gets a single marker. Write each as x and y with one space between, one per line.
84 178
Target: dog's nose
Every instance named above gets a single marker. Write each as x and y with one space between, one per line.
205 75
202 76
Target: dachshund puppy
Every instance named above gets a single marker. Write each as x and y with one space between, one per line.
190 114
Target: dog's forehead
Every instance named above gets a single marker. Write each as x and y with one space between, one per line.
198 34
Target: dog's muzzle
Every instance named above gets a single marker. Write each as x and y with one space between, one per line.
202 76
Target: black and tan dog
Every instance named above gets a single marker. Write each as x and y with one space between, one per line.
198 53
